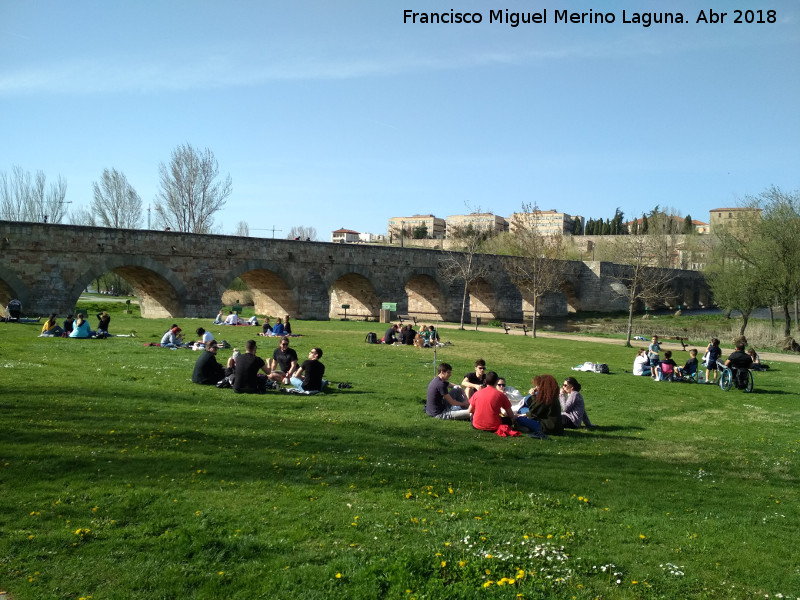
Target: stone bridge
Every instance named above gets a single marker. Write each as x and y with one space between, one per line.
174 274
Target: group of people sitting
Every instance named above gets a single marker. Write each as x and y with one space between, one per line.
649 362
427 336
76 327
280 328
250 374
233 318
484 399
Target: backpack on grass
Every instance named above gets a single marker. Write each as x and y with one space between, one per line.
372 338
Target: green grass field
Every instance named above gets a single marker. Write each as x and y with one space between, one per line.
121 479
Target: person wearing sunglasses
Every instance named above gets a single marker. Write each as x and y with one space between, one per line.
475 381
573 407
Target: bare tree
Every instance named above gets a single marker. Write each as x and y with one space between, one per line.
190 193
82 216
26 197
242 229
538 270
461 266
639 281
303 233
116 203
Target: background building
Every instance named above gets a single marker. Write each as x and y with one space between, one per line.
433 227
479 221
545 222
345 236
732 217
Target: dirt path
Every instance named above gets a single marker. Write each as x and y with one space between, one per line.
666 345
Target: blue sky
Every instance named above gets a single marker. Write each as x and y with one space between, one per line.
338 114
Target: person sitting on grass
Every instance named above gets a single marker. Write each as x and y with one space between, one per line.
443 403
278 328
546 409
690 368
757 364
472 382
667 367
490 407
207 371
171 339
51 327
247 379
220 320
573 407
103 323
205 338
81 329
390 336
641 364
232 318
69 323
266 328
308 377
283 363
287 325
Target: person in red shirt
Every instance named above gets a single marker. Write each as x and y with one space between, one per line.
486 405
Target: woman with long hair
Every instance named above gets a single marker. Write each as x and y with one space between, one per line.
573 408
51 327
546 409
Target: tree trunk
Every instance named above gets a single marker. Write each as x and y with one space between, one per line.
787 327
464 303
771 317
630 323
745 318
533 318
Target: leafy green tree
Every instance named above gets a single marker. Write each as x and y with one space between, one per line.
736 285
421 232
688 227
769 246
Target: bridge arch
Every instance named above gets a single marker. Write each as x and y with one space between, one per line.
357 291
12 287
481 300
158 289
426 299
272 286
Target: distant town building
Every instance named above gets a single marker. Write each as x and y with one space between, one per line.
345 236
545 222
478 221
433 226
700 227
732 217
371 238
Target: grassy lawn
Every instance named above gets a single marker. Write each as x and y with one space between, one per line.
121 479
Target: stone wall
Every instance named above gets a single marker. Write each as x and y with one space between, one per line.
184 275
